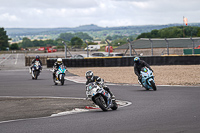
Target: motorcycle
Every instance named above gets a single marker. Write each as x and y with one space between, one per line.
147 79
60 75
100 97
36 69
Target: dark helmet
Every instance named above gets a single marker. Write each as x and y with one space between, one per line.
136 59
37 57
89 75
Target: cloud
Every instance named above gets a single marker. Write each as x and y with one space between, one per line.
8 17
43 4
71 13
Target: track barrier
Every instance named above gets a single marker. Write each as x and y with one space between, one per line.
127 61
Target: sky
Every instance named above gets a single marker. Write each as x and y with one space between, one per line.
104 13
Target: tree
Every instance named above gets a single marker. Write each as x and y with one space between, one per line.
76 42
109 37
66 36
3 39
198 33
26 42
83 36
14 46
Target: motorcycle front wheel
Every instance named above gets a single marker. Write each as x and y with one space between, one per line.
101 103
153 85
62 80
115 106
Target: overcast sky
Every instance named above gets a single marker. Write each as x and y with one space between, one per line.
111 13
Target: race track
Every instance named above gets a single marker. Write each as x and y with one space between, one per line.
171 109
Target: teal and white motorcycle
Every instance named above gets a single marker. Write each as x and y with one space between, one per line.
60 75
147 79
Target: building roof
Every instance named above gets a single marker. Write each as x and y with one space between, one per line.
162 43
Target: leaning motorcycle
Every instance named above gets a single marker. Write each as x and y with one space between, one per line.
36 69
147 79
100 97
60 75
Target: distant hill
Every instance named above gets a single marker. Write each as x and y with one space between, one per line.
130 30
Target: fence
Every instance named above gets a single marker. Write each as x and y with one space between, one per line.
127 61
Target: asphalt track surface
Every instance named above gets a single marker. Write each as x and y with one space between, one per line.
171 109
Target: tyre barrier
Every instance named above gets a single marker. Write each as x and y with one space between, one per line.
127 61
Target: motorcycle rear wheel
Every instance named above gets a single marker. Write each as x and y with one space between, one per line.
100 104
153 85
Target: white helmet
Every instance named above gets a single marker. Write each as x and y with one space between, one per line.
59 60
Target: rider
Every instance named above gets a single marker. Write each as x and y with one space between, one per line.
91 78
37 58
138 65
56 66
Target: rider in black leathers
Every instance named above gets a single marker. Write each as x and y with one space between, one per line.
138 65
91 78
37 58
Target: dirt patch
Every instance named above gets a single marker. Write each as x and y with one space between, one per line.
164 75
21 108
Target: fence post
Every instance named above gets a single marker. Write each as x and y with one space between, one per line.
151 46
167 46
192 45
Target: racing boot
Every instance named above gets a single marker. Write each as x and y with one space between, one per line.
112 96
30 70
54 77
140 83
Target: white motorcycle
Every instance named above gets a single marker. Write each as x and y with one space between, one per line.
36 69
100 97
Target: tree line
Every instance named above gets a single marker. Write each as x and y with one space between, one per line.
76 40
173 32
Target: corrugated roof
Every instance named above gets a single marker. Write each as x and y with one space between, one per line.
161 43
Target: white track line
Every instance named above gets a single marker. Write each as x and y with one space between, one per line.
16 59
5 59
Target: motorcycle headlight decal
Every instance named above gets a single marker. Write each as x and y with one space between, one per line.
90 87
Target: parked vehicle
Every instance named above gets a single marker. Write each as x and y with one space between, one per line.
80 56
147 79
99 54
116 54
104 54
100 97
93 47
60 75
36 69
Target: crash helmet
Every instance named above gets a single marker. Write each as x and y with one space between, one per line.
136 59
59 61
89 75
37 57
